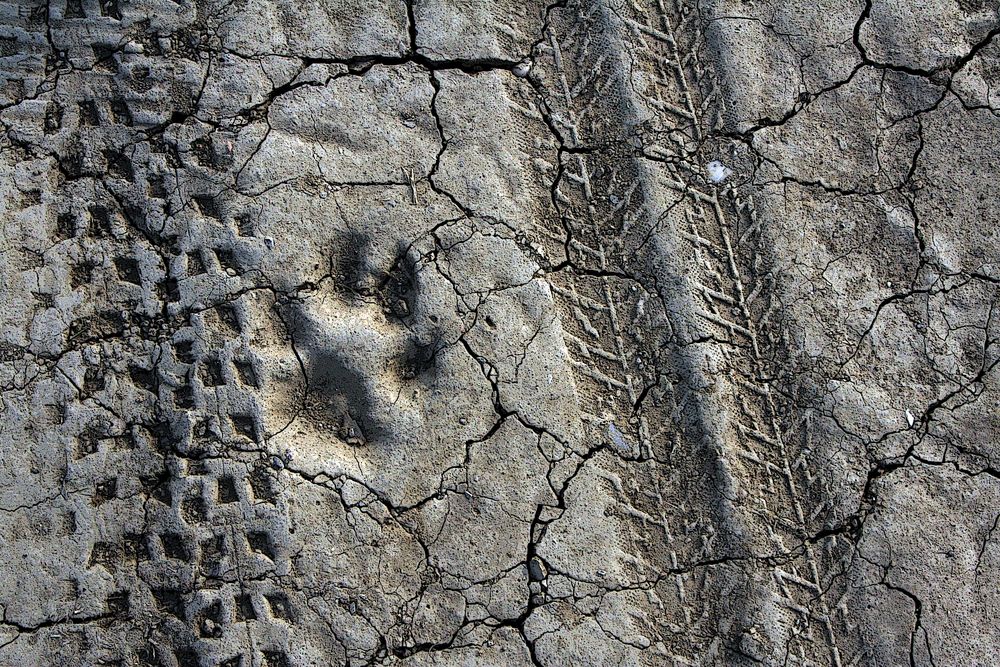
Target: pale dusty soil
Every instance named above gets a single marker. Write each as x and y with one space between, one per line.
468 332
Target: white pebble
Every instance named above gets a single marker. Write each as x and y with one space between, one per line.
618 438
718 172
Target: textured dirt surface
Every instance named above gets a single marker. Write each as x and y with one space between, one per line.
456 332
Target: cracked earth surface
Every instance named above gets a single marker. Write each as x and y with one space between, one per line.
428 332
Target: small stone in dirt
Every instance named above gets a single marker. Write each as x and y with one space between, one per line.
718 172
536 569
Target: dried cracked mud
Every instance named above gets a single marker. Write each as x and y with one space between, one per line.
468 332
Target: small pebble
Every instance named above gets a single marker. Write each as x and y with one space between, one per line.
718 172
536 569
